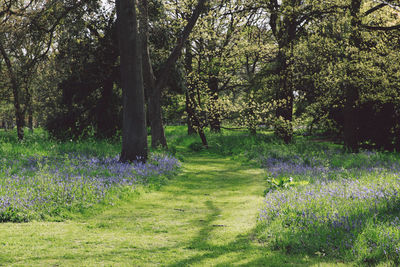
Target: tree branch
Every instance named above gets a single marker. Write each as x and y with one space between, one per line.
176 52
273 9
388 4
381 28
374 9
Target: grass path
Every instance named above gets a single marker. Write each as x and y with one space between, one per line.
204 217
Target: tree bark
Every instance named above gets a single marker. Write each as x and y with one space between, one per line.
134 134
28 105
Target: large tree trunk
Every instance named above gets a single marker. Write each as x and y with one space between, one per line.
19 113
134 134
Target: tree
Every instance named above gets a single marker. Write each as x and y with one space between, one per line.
344 73
357 45
194 120
217 44
87 66
27 32
288 22
156 83
134 134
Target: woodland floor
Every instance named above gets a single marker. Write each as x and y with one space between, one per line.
204 217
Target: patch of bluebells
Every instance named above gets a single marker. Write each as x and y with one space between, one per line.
40 186
329 165
346 211
330 216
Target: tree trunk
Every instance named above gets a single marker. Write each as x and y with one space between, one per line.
203 138
156 122
195 119
20 119
104 115
350 119
152 88
134 134
189 120
191 109
155 114
194 123
215 116
284 95
189 70
350 129
284 28
28 105
30 117
253 131
19 114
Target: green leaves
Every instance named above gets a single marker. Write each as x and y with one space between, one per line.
282 183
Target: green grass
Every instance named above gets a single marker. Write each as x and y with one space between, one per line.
39 143
206 216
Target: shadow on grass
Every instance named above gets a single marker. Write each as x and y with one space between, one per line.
244 249
207 173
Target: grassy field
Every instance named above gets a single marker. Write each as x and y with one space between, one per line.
225 206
